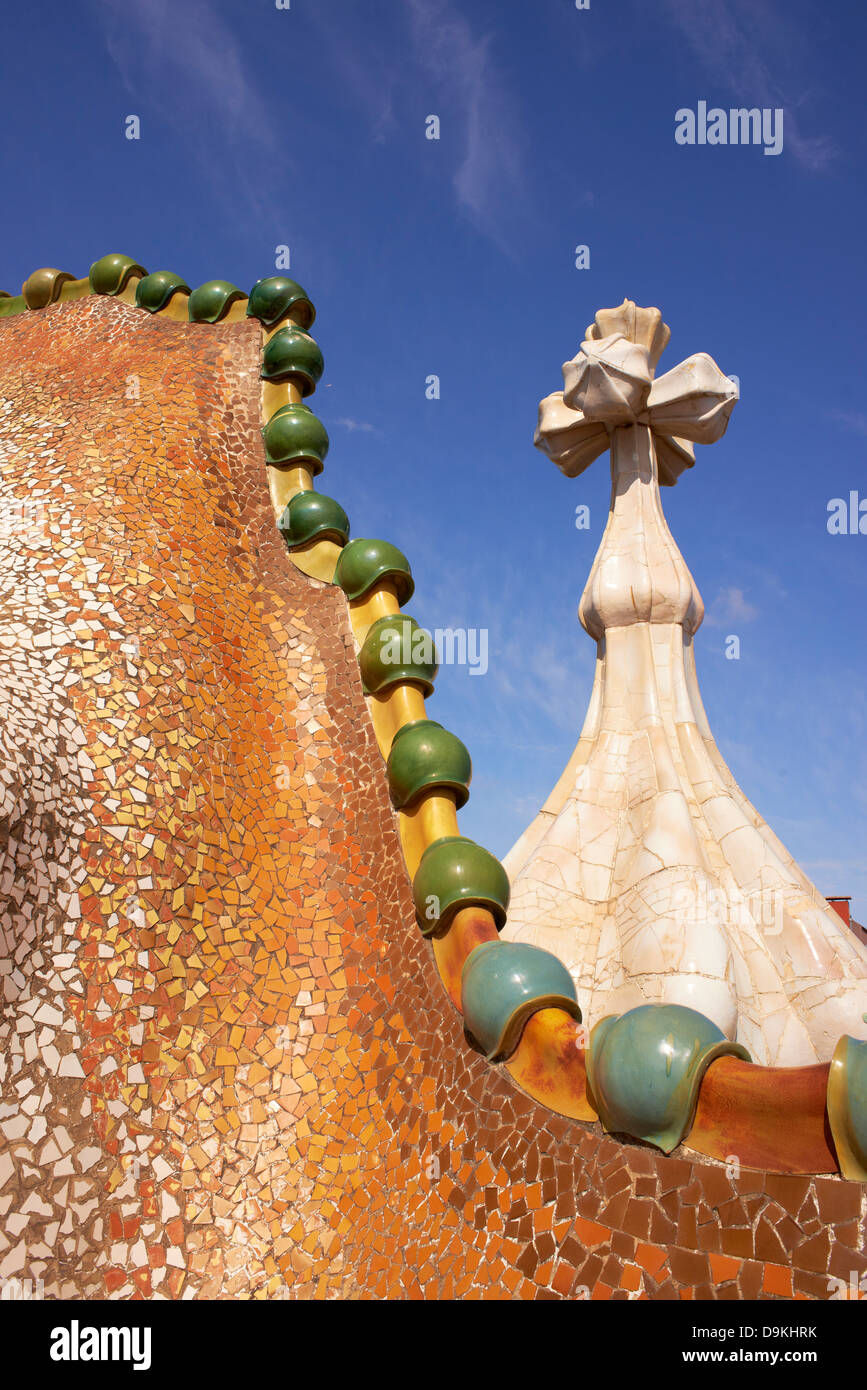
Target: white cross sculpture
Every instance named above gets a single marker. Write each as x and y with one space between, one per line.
647 871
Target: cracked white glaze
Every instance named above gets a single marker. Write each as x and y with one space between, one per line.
647 871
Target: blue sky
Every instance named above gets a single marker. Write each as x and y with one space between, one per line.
262 127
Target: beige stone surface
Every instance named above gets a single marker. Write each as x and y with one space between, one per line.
647 871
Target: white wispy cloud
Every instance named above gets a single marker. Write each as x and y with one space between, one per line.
358 60
446 56
491 173
730 606
538 672
184 66
731 38
853 419
357 426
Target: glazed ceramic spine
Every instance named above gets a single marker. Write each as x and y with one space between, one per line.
311 516
428 768
424 755
296 438
455 873
112 274
846 1106
503 984
645 1069
291 368
291 355
154 292
364 564
215 301
43 287
397 650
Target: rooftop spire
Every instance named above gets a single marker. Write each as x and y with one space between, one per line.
647 871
